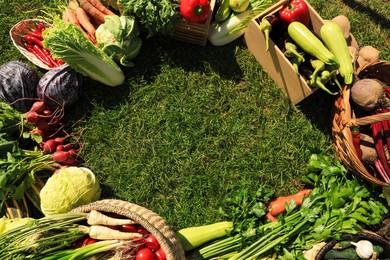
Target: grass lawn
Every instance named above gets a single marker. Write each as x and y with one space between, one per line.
193 124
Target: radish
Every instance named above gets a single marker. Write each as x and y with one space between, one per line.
38 106
49 146
32 117
60 156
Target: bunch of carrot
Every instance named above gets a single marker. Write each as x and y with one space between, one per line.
33 43
87 15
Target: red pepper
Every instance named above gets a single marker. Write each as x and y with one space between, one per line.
295 11
32 40
195 11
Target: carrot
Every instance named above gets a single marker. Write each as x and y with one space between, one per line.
73 5
83 19
278 205
270 217
71 17
92 11
102 8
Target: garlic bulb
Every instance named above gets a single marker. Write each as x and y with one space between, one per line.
364 248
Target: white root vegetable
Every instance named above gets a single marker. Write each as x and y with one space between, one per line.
344 23
95 217
106 233
369 94
364 248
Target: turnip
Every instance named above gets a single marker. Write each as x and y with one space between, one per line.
369 94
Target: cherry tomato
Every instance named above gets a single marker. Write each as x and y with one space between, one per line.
160 254
152 243
131 228
144 254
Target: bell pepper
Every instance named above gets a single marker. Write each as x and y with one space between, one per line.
195 11
295 11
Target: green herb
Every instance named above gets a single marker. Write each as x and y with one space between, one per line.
156 16
338 204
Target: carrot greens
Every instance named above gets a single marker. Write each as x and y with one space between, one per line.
338 204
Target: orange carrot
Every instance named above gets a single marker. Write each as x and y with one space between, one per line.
71 17
83 19
92 11
102 8
278 205
73 5
270 217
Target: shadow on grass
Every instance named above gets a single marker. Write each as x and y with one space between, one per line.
379 19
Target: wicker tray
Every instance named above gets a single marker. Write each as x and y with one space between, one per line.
22 28
343 121
152 222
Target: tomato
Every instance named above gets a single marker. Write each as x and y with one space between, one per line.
131 228
152 243
88 241
144 254
160 254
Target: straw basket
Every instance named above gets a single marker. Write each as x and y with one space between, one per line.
319 250
152 222
344 120
19 30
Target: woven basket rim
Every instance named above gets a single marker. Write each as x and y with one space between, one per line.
151 221
343 121
20 29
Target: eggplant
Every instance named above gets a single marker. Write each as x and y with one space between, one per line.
60 87
18 84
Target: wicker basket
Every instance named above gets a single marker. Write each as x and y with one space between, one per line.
343 121
319 250
152 222
19 30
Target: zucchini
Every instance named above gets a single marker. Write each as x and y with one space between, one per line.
333 37
309 43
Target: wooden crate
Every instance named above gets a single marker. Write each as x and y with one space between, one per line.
196 33
279 68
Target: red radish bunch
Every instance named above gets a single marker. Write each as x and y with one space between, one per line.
48 126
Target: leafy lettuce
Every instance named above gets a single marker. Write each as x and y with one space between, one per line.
66 42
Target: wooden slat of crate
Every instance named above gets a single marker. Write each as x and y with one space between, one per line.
195 33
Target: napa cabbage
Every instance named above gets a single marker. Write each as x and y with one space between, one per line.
66 42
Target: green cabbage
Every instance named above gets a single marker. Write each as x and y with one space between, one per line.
66 42
69 188
118 38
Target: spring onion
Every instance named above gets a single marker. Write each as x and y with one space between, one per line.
235 26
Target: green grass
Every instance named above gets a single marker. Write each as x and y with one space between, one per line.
193 124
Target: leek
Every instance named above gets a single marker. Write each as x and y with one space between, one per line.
235 26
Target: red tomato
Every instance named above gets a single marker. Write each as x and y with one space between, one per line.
152 243
88 241
131 228
160 254
144 254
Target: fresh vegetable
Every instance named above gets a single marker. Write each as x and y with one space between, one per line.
368 54
266 24
105 233
332 36
339 203
95 217
292 51
10 223
344 24
356 141
68 188
97 15
144 254
68 43
195 11
364 248
60 87
118 38
235 26
239 6
193 237
345 253
18 84
223 11
309 43
295 11
278 205
156 16
369 94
